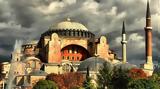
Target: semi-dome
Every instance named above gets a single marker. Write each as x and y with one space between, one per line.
70 25
126 66
94 63
38 73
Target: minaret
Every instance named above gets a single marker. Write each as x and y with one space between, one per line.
148 33
124 42
16 54
148 66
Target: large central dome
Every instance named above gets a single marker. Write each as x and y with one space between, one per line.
69 28
68 24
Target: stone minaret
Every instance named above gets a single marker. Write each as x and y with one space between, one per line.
124 42
148 33
148 66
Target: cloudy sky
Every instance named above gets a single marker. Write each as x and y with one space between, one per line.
27 19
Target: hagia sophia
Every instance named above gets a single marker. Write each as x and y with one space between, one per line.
68 46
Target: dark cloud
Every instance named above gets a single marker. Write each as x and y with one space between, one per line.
28 19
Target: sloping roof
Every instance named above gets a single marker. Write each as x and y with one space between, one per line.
94 63
126 66
38 73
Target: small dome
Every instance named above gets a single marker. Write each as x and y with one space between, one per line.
157 69
31 58
94 63
126 66
68 24
38 73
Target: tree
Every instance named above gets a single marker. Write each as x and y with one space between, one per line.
57 78
67 80
120 78
77 87
88 84
136 73
105 76
143 84
140 81
45 84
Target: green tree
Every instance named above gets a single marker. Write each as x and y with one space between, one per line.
156 78
120 78
105 76
45 84
143 84
77 87
88 84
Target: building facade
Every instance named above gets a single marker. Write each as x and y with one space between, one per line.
59 50
68 46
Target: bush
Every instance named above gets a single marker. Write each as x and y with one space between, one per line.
136 73
45 84
67 80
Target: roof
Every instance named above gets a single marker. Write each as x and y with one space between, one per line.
31 58
126 66
38 73
68 24
94 63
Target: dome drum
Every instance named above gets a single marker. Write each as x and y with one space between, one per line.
70 33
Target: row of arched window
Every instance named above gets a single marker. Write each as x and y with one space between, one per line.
71 32
71 58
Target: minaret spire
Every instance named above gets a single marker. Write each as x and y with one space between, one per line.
124 42
123 28
148 14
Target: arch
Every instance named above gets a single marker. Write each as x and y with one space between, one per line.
74 53
33 63
67 67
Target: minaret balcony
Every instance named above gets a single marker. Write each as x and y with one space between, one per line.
148 28
124 42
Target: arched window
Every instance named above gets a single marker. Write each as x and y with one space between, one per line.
68 58
72 58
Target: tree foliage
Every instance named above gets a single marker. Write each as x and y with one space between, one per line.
105 76
120 78
88 84
67 80
45 84
143 84
136 73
